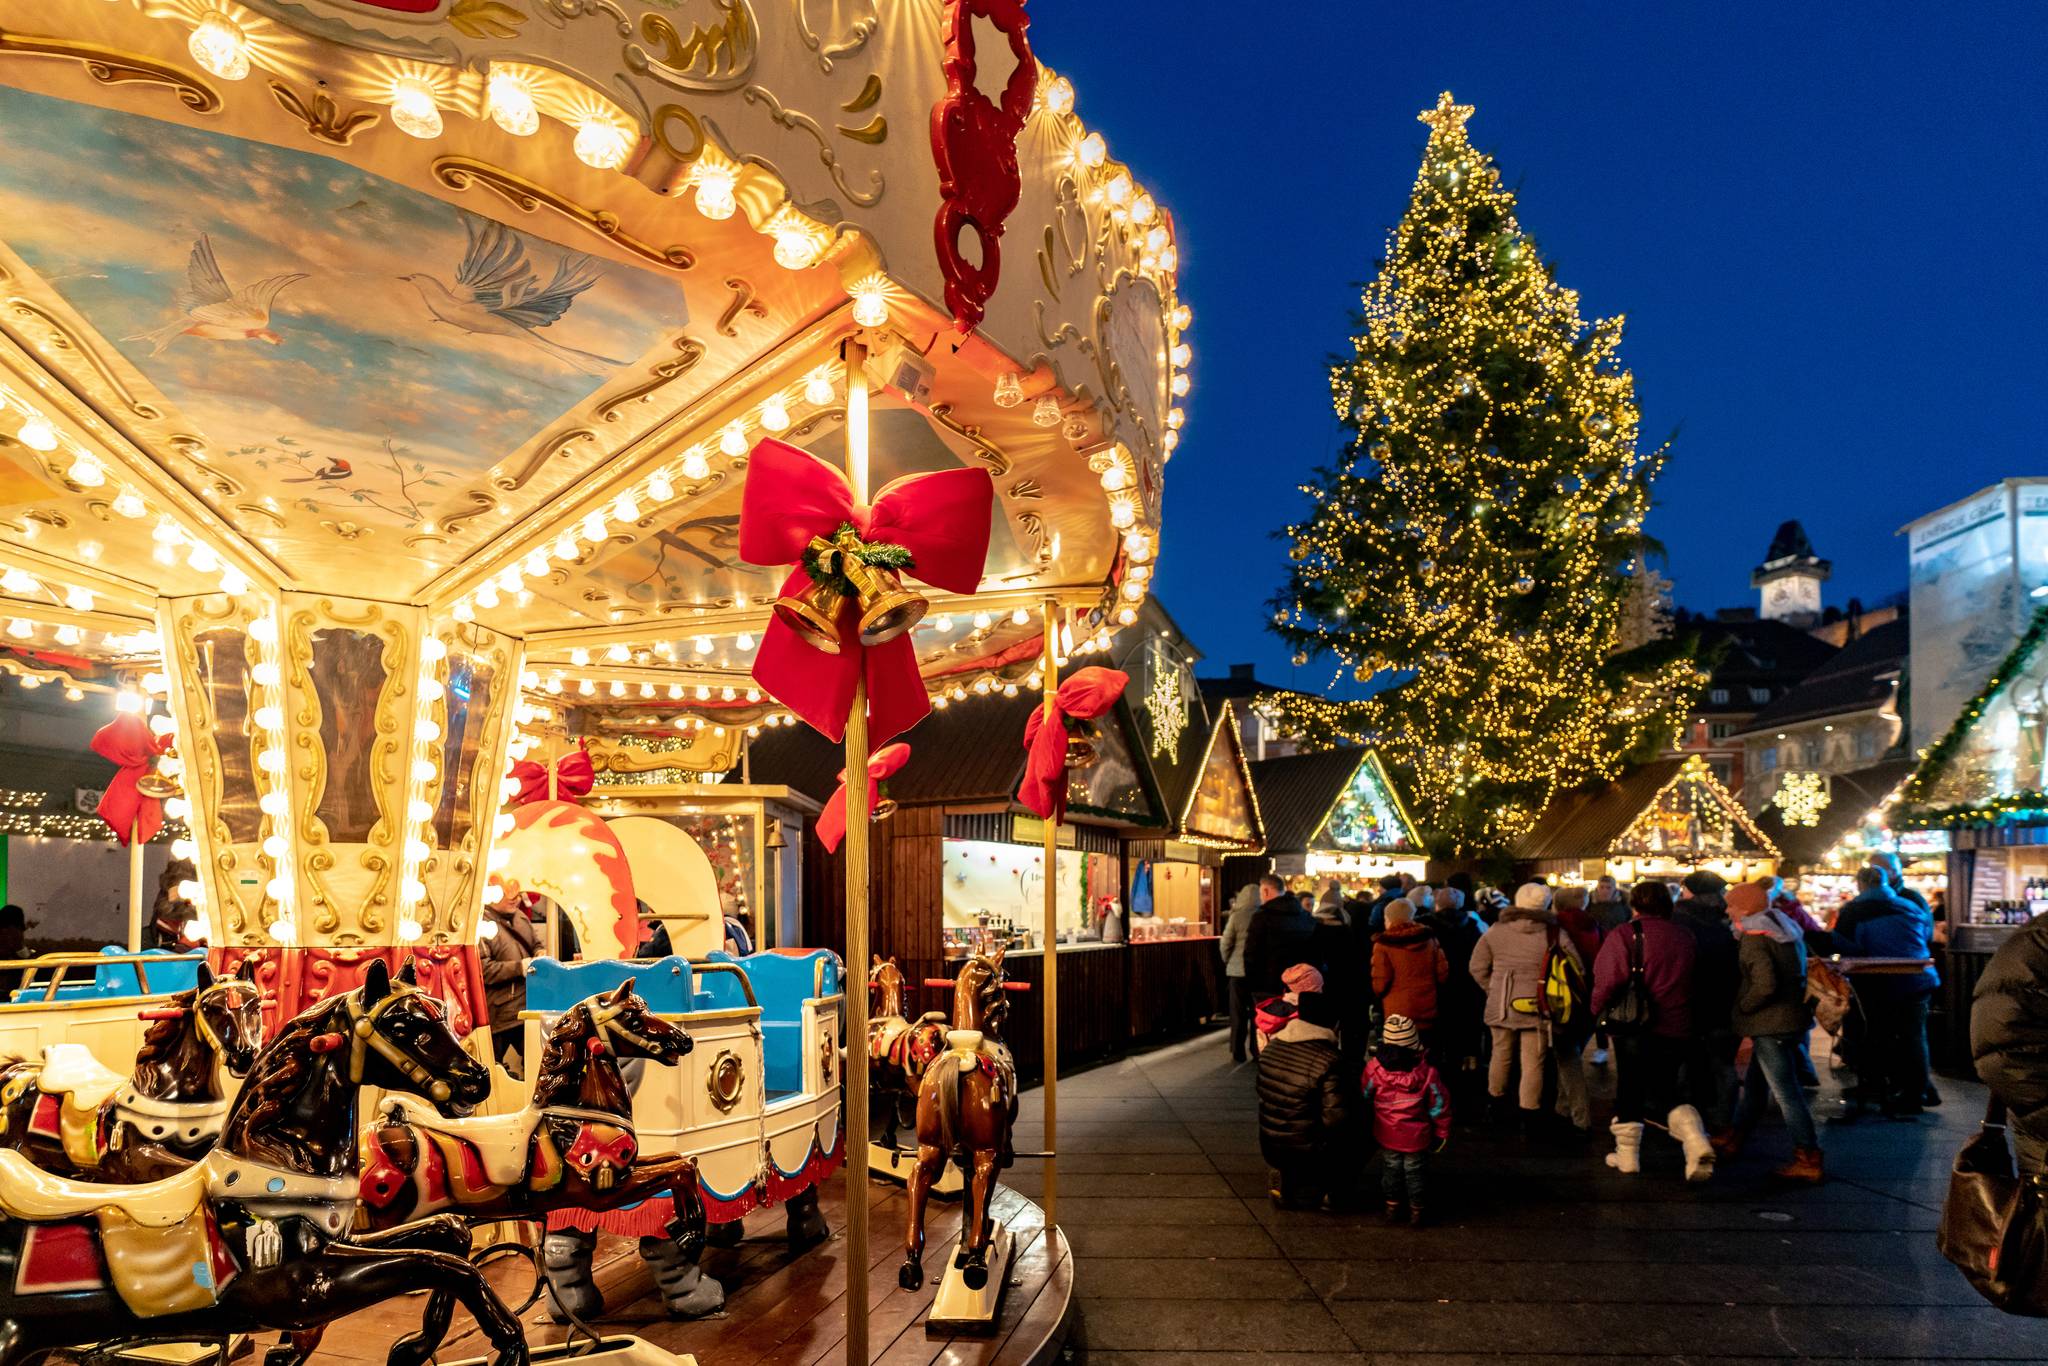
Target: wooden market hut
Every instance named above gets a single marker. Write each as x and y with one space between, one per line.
1821 845
959 861
1331 813
1661 820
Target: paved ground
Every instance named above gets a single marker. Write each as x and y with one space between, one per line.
1540 1255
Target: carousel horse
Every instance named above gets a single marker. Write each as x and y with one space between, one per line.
966 1109
253 1237
69 1115
898 1051
572 1146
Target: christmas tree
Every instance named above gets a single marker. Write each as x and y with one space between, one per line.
1478 534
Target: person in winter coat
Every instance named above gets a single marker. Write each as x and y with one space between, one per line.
1408 966
1346 979
1771 1012
1649 1062
1411 1116
1710 1065
1459 1039
1892 1065
1303 1112
1509 965
504 953
1330 904
1607 906
1568 1037
1279 935
1231 945
2009 1039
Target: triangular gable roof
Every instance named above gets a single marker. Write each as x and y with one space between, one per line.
1222 806
1367 816
1300 793
1851 797
1673 806
1973 775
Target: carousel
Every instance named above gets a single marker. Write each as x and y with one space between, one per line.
443 434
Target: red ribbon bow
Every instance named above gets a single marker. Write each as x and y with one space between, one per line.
941 518
1087 693
832 820
574 777
127 743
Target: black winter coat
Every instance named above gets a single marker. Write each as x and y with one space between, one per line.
1280 935
2009 1028
1302 1111
1716 966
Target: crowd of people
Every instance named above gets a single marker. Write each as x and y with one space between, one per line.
1376 1014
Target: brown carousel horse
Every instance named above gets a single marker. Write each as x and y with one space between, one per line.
898 1051
69 1115
573 1146
253 1237
966 1109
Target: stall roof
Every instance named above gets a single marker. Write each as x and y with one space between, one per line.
1220 805
1299 794
1588 821
1851 796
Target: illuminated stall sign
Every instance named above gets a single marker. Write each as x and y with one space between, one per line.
1367 817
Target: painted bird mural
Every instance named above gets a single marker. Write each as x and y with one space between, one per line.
213 311
497 295
335 469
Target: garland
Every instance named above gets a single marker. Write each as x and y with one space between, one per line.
1938 754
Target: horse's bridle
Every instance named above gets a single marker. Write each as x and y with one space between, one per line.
212 1039
604 1021
364 1039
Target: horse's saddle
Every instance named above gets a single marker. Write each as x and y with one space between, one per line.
500 1143
74 1085
28 1192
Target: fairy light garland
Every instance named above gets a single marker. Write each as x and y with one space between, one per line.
1476 534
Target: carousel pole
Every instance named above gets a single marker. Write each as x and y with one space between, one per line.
135 885
855 1120
1049 999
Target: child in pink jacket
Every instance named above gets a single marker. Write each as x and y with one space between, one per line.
1411 1116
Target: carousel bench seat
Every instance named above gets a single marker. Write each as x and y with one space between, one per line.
782 980
553 986
178 972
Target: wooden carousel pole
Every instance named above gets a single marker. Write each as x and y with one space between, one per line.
1049 998
135 885
855 1120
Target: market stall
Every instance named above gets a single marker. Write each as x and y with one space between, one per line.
383 386
1331 814
1662 821
1837 825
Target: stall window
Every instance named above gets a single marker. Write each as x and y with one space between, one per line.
1000 887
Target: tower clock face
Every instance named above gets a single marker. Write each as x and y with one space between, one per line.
1790 595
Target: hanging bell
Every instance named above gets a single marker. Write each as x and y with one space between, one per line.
887 608
158 784
884 809
1081 747
814 615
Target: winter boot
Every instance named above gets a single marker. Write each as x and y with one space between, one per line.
1535 1126
1393 1214
1690 1130
1729 1142
1628 1147
1415 1216
1804 1167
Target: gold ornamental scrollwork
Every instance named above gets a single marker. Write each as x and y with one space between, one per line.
984 449
688 352
461 173
742 302
511 481
111 66
724 1080
201 752
324 119
61 340
797 121
711 58
854 36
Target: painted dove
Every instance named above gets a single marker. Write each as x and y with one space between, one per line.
496 295
213 311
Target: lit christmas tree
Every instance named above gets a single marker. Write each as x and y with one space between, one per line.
1479 531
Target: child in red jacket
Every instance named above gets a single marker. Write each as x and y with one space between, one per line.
1411 1116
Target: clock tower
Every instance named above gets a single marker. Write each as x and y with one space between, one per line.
1790 577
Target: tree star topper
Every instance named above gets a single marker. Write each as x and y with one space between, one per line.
1447 117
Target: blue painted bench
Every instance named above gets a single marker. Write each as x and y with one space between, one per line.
177 972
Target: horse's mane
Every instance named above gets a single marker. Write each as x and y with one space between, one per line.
279 1073
557 1079
160 1040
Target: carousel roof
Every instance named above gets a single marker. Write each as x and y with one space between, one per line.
483 306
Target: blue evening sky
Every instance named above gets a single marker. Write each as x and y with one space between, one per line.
1824 222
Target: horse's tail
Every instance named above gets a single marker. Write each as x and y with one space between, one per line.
948 1074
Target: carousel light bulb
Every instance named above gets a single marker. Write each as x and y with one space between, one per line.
1133 591
463 611
426 730
161 725
1155 241
703 693
20 629
796 248
189 890
715 186
593 527
1059 96
626 509
271 761
510 579
270 718
508 788
409 929
69 635
1182 353
818 389
1046 412
219 45
430 690
418 850
86 472
695 466
982 621
499 858
565 547
284 931
1122 513
1174 418
511 104
618 654
195 930
617 689
579 657
702 645
733 439
1118 191
1142 209
1009 689
36 433
413 109
659 488
675 692
177 808
1092 152
433 649
78 599
1115 479
554 683
203 559
487 596
1009 389
184 848
131 704
487 928
264 672
276 847
745 641
19 583
1126 616
871 301
233 582
982 685
1182 316
504 823
647 690
273 805
602 144
1180 383
774 414
423 770
419 810
1021 617
536 564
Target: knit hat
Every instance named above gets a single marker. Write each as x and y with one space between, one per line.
1705 882
1302 977
1532 896
1399 912
1400 1032
1746 899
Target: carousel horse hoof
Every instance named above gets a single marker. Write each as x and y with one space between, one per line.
911 1274
565 1257
686 1291
974 1275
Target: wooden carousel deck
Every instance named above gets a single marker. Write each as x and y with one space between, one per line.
784 1310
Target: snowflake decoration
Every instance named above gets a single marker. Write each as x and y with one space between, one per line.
1167 704
1801 797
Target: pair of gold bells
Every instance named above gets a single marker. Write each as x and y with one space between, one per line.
887 609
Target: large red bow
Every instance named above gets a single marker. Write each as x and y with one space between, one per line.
1086 693
574 777
127 743
942 519
832 820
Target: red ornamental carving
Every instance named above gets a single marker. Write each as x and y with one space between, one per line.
295 978
974 142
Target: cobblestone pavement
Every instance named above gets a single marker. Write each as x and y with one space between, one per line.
1536 1253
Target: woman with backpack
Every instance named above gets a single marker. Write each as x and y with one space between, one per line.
1771 1012
1642 985
1511 964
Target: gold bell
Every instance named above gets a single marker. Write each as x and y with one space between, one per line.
1081 749
158 785
884 809
814 615
887 608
